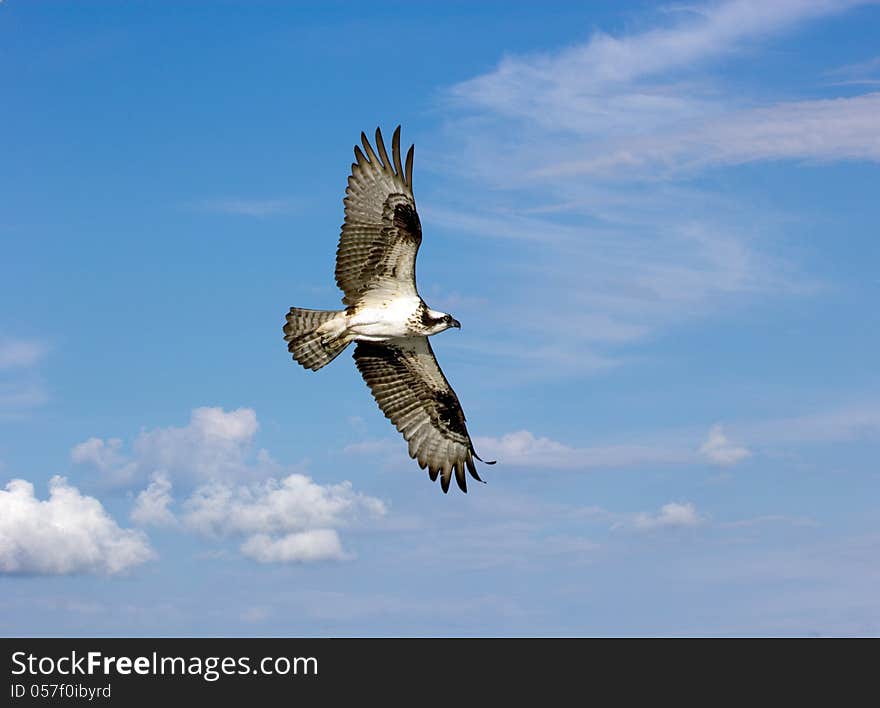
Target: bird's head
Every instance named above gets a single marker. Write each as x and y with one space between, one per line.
439 321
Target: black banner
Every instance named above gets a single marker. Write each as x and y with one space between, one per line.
254 671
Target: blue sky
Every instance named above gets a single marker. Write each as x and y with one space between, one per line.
656 223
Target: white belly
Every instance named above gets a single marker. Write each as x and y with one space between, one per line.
382 321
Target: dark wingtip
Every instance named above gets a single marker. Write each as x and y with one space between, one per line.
409 166
395 152
444 483
460 477
485 462
472 469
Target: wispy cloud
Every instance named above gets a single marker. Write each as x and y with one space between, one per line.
844 423
18 396
579 155
258 208
20 353
671 516
214 445
523 448
644 100
863 72
723 445
823 130
758 521
721 451
21 388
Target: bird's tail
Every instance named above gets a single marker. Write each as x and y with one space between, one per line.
314 338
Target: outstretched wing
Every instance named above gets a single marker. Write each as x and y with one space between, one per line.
381 234
412 391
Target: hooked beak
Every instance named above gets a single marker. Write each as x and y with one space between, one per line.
455 323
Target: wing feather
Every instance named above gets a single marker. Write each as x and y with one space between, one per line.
410 388
382 232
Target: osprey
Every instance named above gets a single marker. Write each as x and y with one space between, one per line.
384 314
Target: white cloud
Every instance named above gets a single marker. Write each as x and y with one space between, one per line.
672 515
721 451
294 503
214 444
234 492
65 534
299 547
20 353
151 505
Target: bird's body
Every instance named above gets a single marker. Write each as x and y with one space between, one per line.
386 316
390 317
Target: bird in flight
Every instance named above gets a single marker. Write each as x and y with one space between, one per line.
386 317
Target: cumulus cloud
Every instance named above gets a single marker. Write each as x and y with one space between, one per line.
291 519
151 505
103 454
214 445
721 451
67 533
672 515
295 502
